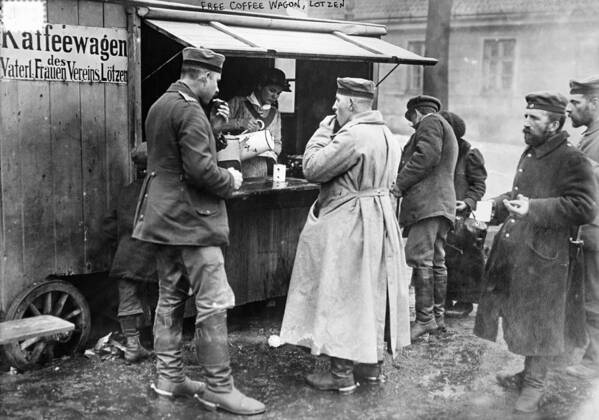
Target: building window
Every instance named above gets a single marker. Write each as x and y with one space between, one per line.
415 72
498 64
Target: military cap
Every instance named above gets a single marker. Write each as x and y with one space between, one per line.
139 154
204 57
586 86
547 101
352 86
275 77
424 100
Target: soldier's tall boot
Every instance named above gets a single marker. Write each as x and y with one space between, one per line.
134 351
340 377
213 355
422 279
533 384
440 293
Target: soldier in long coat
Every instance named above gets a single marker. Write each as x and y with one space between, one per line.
583 110
349 270
526 278
464 254
425 183
134 262
181 209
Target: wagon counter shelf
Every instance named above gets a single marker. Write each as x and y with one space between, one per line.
265 220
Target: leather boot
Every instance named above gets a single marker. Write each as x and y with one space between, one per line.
440 292
423 294
510 381
533 384
134 351
529 399
187 388
213 355
369 372
339 378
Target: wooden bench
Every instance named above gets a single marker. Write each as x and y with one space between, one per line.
36 326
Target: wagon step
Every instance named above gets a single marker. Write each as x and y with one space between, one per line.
35 326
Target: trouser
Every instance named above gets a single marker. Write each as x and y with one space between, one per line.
181 268
425 253
130 302
535 371
591 306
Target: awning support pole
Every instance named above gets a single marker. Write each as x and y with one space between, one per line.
387 75
161 66
220 27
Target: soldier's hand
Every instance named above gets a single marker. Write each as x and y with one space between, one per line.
518 207
460 206
237 178
220 109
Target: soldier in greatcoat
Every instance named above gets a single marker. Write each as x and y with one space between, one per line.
464 254
134 263
583 110
526 280
182 210
427 212
349 270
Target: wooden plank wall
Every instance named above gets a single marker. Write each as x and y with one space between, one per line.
64 154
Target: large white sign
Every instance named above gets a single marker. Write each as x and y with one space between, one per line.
64 53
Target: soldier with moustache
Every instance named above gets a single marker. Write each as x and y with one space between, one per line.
182 210
583 110
526 280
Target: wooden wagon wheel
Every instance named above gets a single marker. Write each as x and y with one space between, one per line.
53 297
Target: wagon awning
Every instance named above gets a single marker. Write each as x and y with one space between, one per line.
286 38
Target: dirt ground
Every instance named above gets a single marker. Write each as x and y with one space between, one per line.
448 376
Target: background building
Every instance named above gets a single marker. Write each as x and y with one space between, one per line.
499 51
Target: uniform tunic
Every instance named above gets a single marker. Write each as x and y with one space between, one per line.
349 254
526 276
182 200
426 173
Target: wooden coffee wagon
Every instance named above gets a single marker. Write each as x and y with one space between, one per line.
66 139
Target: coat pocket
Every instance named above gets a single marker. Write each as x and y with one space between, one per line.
545 245
200 204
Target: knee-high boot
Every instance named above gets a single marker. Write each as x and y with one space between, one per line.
440 292
213 355
424 295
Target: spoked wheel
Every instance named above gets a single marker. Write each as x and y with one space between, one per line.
53 297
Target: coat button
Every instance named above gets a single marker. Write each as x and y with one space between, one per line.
507 235
146 195
141 216
516 188
520 170
153 174
529 155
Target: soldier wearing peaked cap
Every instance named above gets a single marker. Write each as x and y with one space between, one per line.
527 275
349 256
425 181
181 209
583 110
